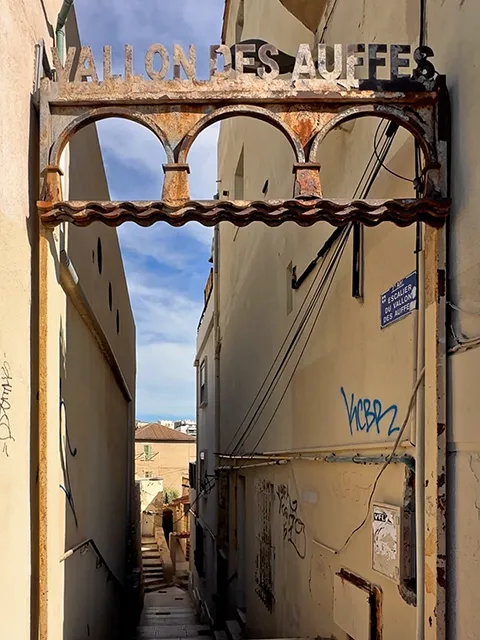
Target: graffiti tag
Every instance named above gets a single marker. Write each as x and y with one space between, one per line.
364 414
5 406
293 527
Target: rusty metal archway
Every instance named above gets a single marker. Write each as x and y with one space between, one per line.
304 110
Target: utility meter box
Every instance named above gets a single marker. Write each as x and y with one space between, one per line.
387 540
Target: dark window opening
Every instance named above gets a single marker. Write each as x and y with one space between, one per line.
118 321
110 296
99 256
198 554
192 474
203 382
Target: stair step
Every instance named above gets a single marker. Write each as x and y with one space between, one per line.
150 570
234 630
152 636
168 611
159 631
154 621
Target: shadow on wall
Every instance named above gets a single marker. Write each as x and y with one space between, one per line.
93 450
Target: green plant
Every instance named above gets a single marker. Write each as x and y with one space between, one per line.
171 494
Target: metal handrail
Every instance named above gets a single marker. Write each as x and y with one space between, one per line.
103 563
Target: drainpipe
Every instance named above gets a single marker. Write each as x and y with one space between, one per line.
60 28
216 337
420 445
60 44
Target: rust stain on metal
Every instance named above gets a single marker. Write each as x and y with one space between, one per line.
175 185
307 180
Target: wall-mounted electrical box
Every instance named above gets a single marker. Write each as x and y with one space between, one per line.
387 540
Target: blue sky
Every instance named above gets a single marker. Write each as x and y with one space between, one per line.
166 267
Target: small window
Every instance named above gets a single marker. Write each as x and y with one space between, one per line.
203 471
118 321
203 383
192 474
148 474
147 450
99 256
110 296
289 289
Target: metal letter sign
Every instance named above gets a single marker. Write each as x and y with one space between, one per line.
304 98
399 301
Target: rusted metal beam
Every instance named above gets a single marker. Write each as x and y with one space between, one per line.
244 90
305 212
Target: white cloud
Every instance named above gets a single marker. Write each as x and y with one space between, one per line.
165 267
166 381
133 143
166 330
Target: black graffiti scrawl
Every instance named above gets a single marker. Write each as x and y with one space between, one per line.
5 406
265 559
293 527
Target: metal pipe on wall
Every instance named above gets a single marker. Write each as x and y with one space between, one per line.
419 440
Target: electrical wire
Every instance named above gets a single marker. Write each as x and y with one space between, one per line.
333 263
471 313
336 264
374 170
327 21
286 358
462 344
387 462
292 326
382 162
371 178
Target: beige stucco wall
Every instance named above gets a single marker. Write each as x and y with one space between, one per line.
347 349
22 24
98 416
169 461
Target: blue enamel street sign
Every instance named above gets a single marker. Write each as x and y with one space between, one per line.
399 300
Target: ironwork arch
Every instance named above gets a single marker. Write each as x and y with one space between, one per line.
412 124
304 110
95 115
232 111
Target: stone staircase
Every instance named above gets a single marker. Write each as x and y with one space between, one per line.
169 614
153 577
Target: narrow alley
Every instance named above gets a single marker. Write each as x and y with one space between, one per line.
168 611
240 319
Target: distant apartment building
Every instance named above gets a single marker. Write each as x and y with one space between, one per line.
167 423
163 453
188 427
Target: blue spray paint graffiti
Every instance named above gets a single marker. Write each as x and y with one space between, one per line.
364 414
